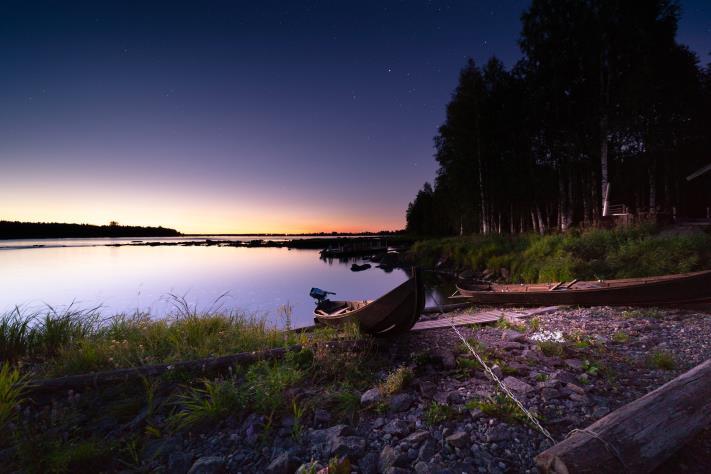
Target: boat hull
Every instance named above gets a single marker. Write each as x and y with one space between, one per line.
688 288
391 314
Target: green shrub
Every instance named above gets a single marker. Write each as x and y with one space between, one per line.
661 360
396 381
437 413
213 401
12 386
551 348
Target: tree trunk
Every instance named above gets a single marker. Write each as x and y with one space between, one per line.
208 365
652 174
641 435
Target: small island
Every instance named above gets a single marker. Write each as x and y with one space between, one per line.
60 230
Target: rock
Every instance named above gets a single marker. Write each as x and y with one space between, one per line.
575 364
368 464
496 433
400 402
510 346
351 446
427 450
497 371
379 422
422 468
563 377
427 389
371 397
475 413
417 437
390 457
446 358
518 386
396 470
208 465
321 417
460 439
510 335
329 434
282 464
179 462
575 388
548 393
397 427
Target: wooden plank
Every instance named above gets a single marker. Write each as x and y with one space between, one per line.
641 435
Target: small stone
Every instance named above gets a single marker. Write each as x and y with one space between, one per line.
427 450
422 468
510 335
550 393
517 385
575 388
389 457
208 465
459 439
400 402
397 427
575 364
371 397
352 446
417 437
476 413
321 417
282 464
368 464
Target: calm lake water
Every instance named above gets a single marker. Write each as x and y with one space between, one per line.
124 279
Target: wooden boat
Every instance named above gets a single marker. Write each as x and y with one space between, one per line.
393 313
685 288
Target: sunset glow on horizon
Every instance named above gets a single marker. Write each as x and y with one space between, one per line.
233 117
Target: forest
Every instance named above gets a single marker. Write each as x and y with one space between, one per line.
48 230
602 95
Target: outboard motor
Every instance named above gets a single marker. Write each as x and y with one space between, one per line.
320 295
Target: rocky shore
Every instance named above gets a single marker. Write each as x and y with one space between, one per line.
444 415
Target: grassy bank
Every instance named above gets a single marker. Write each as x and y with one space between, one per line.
592 254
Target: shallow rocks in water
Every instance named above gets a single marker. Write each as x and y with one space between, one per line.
208 465
371 397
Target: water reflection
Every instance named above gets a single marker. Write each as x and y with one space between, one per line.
126 279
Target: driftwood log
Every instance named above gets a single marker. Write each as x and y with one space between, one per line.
207 365
641 435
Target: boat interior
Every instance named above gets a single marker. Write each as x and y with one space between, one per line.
336 308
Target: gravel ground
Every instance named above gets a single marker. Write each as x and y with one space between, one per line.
449 419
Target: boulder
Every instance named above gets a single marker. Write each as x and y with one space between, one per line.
400 402
390 457
371 397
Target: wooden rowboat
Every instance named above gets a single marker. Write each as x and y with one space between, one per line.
685 288
393 313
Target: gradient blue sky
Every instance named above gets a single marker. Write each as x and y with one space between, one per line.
229 116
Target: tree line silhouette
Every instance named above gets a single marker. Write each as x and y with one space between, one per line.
603 94
44 230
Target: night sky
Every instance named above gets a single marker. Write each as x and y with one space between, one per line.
238 116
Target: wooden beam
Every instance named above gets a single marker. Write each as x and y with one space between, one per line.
699 172
207 365
641 435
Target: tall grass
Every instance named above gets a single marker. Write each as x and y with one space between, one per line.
78 341
591 254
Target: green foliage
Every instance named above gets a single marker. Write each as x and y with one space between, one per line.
347 403
534 324
541 377
12 385
199 406
620 337
437 413
662 360
647 313
265 384
48 454
503 323
589 255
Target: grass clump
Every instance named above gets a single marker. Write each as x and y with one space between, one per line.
662 360
620 337
396 381
551 348
503 323
12 385
647 313
437 413
199 406
499 406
